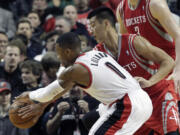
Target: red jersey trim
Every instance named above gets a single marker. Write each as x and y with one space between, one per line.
90 74
148 13
134 52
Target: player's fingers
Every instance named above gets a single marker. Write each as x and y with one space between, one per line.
28 107
24 114
28 114
170 77
23 111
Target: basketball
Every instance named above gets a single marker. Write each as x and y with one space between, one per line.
17 120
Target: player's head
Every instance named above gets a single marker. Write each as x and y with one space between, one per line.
68 48
101 20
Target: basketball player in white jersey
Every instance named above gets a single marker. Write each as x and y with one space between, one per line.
128 106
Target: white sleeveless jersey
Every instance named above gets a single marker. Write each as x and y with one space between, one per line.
108 80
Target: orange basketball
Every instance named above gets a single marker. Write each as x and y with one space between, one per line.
17 120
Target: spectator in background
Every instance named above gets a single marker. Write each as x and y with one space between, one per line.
85 43
50 41
60 4
34 46
3 44
83 11
46 14
31 72
7 23
66 115
63 24
34 18
39 6
56 7
6 127
70 12
9 69
51 64
23 48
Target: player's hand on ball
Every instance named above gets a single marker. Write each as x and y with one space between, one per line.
33 109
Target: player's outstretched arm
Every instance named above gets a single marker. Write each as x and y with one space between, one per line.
159 10
75 74
148 51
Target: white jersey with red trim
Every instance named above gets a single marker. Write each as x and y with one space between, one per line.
109 81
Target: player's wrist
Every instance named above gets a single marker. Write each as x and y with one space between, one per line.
47 93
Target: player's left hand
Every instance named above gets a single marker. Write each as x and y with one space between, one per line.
143 82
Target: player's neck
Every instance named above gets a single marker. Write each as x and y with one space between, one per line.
133 3
111 42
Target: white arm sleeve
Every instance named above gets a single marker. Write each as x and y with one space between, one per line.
61 69
47 93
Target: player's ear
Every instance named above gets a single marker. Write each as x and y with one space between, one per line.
68 51
106 23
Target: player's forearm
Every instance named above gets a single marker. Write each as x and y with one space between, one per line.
165 68
177 46
48 93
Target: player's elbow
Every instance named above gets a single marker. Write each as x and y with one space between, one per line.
169 63
177 34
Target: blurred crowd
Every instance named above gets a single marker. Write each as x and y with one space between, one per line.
28 33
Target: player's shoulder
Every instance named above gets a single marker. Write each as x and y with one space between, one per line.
121 4
157 5
120 8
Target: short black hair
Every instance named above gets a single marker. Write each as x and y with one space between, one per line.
50 60
102 13
51 34
69 40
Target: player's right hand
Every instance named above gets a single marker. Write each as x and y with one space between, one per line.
33 109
